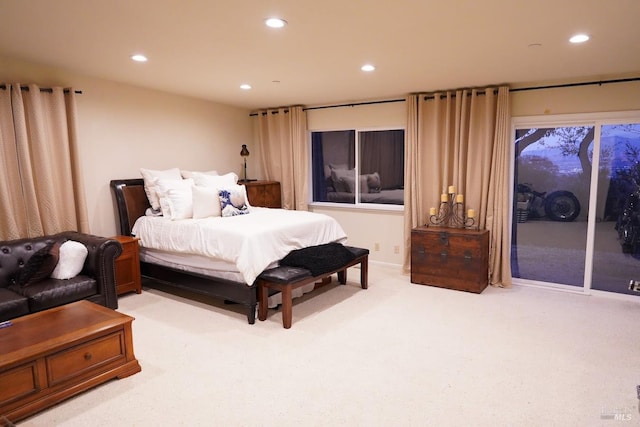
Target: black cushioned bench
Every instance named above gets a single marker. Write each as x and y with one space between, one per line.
285 279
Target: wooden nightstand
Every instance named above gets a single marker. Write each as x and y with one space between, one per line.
263 193
128 266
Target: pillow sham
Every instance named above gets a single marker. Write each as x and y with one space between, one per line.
233 201
72 257
150 176
206 202
340 178
176 198
40 265
216 181
189 174
374 183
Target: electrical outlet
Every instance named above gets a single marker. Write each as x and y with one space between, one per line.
396 249
376 246
634 285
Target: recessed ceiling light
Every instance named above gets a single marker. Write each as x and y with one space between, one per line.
579 38
368 67
245 86
275 22
139 57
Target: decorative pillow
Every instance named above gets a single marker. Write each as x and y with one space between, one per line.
150 177
341 179
233 201
39 266
189 174
176 199
206 202
72 257
373 182
215 181
351 184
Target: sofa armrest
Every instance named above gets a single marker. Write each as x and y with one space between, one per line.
100 262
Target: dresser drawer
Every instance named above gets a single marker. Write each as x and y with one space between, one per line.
18 383
86 357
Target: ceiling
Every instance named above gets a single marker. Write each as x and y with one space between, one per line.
207 48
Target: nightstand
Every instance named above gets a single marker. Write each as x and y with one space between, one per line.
128 266
263 193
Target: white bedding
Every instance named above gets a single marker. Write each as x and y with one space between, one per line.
252 242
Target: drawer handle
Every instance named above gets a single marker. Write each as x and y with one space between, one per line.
87 356
443 257
467 257
444 239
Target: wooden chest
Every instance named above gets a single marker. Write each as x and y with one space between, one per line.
453 258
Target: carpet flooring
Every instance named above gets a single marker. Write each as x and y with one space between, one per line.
397 354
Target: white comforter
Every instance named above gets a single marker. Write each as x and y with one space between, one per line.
252 242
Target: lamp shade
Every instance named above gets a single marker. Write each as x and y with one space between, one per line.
244 152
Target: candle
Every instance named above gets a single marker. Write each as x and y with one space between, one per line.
459 198
452 189
444 197
432 211
471 213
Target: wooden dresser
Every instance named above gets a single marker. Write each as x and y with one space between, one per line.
128 266
263 193
453 258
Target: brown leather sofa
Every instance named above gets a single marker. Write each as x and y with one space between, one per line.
96 281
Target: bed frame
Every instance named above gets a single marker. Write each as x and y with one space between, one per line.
132 202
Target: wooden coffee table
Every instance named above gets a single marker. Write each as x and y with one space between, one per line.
49 356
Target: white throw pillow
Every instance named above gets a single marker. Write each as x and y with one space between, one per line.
206 202
189 174
218 181
71 260
176 199
150 178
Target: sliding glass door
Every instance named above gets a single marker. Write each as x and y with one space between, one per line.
616 256
549 237
576 206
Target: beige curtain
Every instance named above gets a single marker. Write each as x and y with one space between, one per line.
282 138
41 181
460 138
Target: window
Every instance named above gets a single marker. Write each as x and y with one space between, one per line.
376 157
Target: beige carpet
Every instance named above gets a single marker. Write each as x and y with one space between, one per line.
397 354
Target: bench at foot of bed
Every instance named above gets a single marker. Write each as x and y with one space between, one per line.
285 279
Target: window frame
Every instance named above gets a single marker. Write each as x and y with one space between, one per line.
357 205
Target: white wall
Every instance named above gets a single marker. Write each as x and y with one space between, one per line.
122 128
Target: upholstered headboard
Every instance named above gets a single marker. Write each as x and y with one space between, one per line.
131 201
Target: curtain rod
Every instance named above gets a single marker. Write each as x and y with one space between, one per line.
42 89
521 89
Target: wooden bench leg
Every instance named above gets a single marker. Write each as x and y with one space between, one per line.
364 273
263 297
342 276
287 307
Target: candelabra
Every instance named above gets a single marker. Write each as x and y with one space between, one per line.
451 211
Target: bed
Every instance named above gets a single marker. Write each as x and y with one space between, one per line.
230 252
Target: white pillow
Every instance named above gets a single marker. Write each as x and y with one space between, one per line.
176 199
71 260
218 181
189 174
206 202
150 177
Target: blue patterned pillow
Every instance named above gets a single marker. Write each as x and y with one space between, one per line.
233 201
